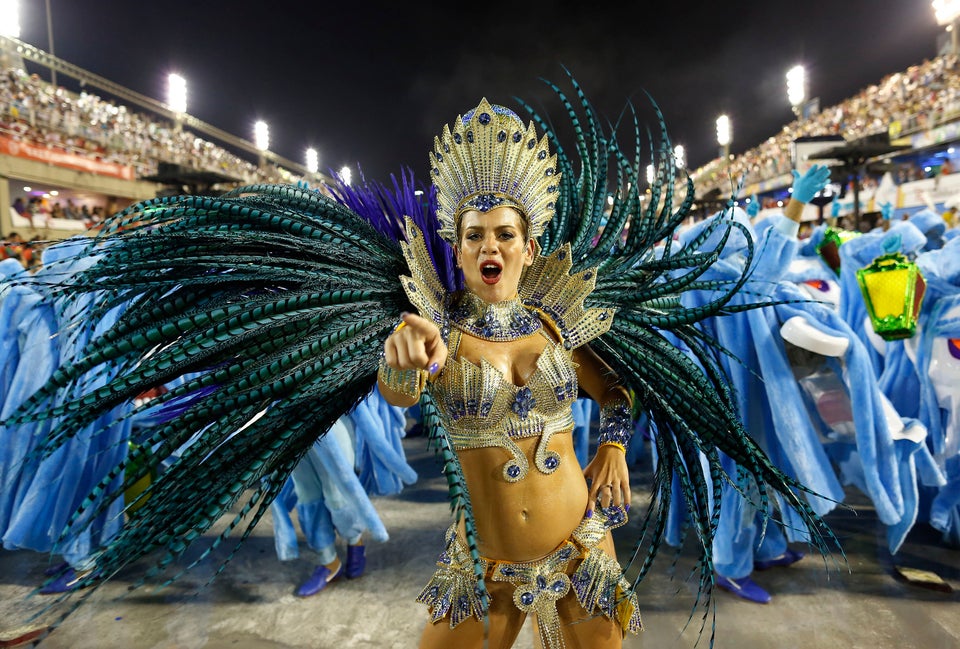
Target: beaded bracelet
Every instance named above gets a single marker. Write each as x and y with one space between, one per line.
406 382
616 425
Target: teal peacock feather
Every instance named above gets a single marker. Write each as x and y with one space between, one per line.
623 226
270 304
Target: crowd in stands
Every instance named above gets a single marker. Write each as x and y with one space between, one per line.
33 110
922 97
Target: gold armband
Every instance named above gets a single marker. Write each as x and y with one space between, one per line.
406 382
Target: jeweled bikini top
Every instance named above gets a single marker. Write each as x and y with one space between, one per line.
478 406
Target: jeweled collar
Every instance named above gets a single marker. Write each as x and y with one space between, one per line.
499 321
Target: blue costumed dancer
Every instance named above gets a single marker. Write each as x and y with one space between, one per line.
329 498
938 359
49 493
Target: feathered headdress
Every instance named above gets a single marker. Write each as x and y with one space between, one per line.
488 160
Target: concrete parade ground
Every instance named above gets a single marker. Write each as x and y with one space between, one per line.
871 601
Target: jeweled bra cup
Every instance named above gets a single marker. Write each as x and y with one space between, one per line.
481 408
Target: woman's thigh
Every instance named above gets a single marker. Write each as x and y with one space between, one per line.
499 631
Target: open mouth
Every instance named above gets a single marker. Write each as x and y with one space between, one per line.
490 271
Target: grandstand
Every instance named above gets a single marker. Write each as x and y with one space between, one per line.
904 126
68 158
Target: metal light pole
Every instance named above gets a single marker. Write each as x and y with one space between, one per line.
947 13
53 72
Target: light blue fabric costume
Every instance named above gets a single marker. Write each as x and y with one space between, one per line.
329 496
938 359
894 368
28 353
785 432
48 494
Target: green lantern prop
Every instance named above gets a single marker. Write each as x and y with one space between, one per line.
132 497
893 289
829 248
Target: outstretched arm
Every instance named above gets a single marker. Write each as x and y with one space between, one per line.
805 187
413 353
608 473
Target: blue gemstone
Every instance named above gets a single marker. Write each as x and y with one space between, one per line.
558 586
552 188
603 316
565 553
562 255
438 156
463 603
541 155
551 205
587 276
531 144
517 136
446 148
436 171
457 138
412 286
508 571
541 582
470 137
549 172
551 462
513 471
526 599
501 136
484 118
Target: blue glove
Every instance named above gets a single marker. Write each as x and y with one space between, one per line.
806 187
754 207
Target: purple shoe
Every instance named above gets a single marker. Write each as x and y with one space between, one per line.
319 580
788 558
744 588
56 570
67 581
356 561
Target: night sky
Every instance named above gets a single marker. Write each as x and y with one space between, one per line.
372 83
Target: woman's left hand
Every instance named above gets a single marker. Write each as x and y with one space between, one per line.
609 479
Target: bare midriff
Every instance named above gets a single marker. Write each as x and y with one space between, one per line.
524 520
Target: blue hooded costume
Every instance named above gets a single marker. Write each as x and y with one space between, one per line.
329 495
47 493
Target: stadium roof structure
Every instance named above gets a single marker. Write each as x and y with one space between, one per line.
855 155
193 181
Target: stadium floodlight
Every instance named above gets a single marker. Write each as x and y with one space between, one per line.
724 135
796 87
346 175
946 11
261 135
724 131
313 161
680 156
10 18
176 93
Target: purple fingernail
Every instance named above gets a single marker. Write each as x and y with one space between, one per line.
433 368
589 514
626 508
